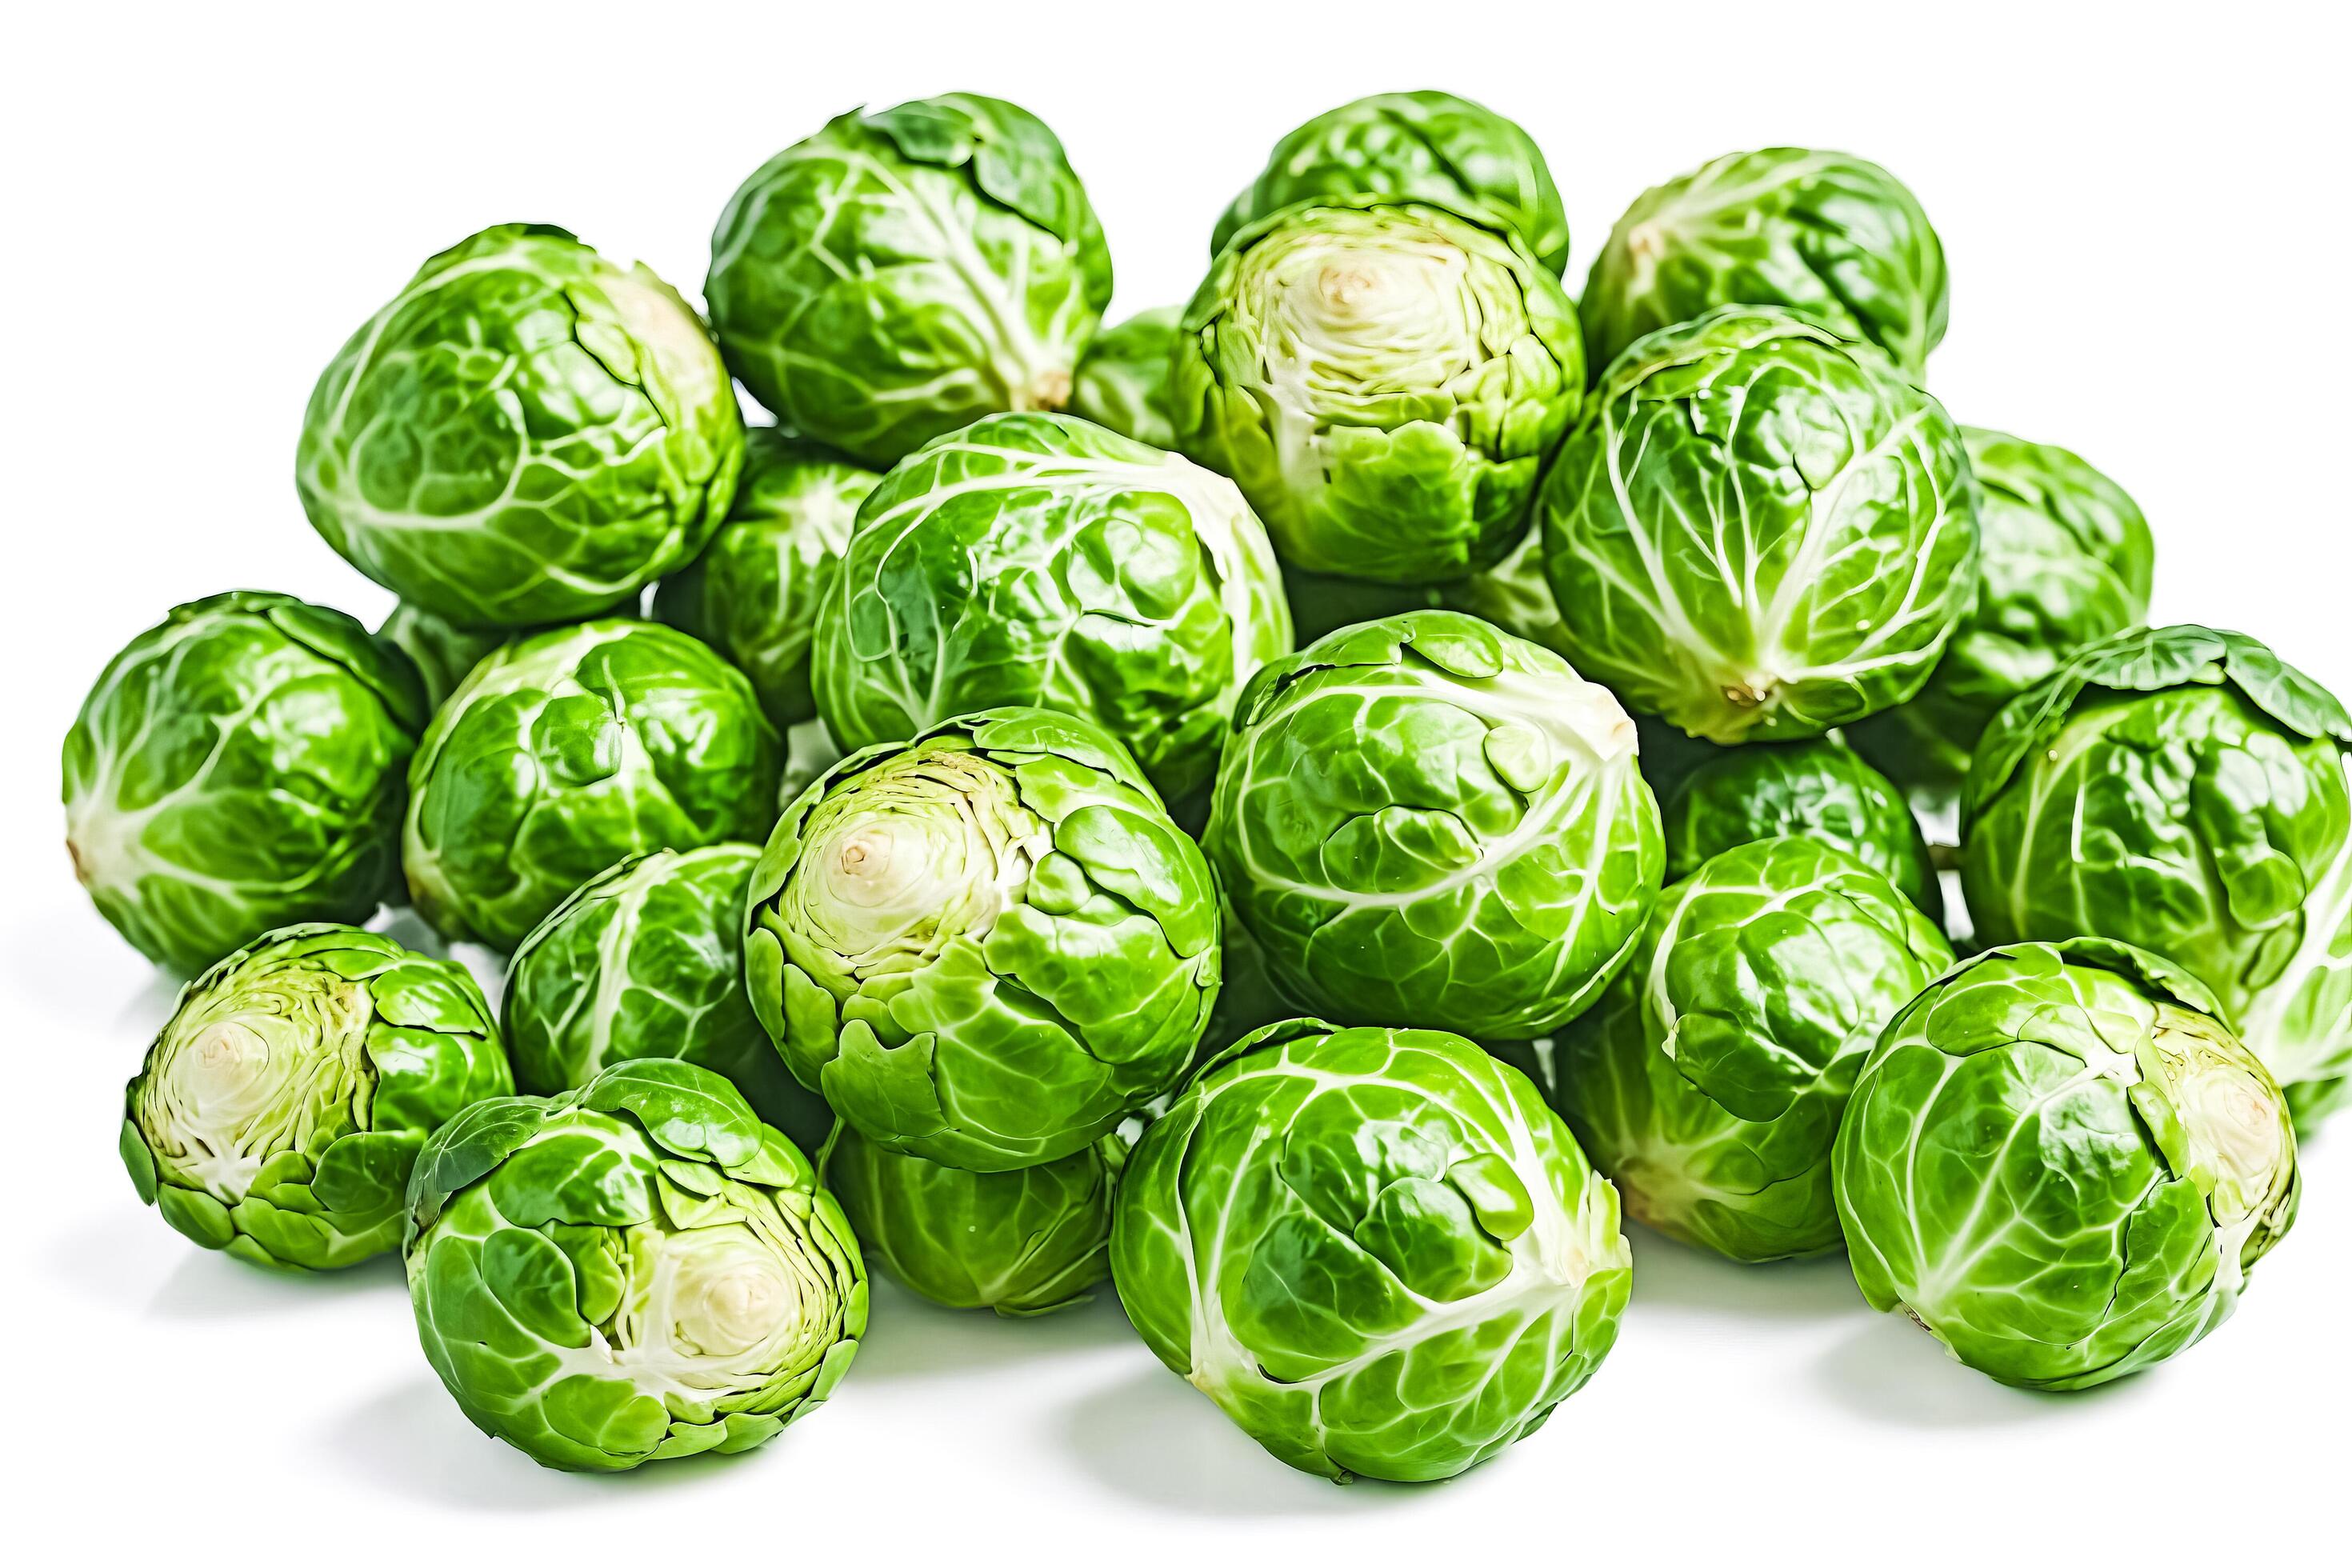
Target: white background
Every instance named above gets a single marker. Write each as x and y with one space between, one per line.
2148 233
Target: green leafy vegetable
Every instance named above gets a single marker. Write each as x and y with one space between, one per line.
1806 789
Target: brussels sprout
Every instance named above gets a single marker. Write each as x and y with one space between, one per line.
1832 236
572 750
444 654
2184 791
1034 559
2060 1166
279 1111
1022 1242
1422 146
1759 531
647 960
1806 789
1384 380
1122 381
1375 1249
1708 1079
753 594
2068 561
1513 593
1424 820
983 946
638 1268
528 433
899 275
238 769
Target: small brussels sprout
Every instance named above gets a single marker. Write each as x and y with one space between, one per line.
753 593
1759 531
1375 1249
2184 791
2067 560
1036 560
1708 1081
986 945
2060 1164
568 752
1384 380
444 654
638 1268
1122 381
899 275
1829 235
1421 146
278 1113
1515 594
1424 820
647 960
528 433
239 768
1806 789
1022 1243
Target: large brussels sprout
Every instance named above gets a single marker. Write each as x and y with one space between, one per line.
1036 560
1827 234
1384 380
1760 530
2067 560
1806 789
986 945
901 274
2184 791
754 591
647 960
278 1113
238 769
568 752
638 1268
1426 821
1375 1249
1424 146
1122 381
1708 1081
528 433
2060 1164
1020 1242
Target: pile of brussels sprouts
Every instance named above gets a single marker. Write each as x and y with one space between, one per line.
1301 805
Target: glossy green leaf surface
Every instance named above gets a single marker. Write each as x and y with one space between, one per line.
1708 1081
636 1269
1760 531
1805 789
279 1111
753 594
1035 559
986 945
570 751
2058 1162
1423 821
647 960
1421 146
527 433
1829 235
901 274
1383 381
1021 1242
1378 1250
238 768
2185 791
1122 379
2067 560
